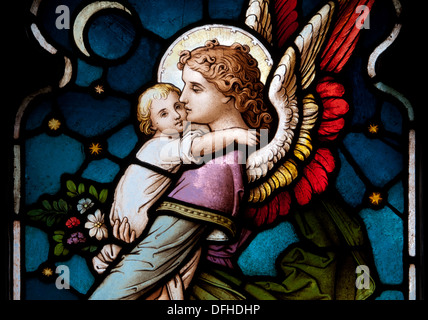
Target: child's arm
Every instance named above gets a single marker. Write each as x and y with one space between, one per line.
218 140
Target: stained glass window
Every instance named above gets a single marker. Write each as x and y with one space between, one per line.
337 216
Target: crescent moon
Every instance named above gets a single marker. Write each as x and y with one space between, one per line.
84 15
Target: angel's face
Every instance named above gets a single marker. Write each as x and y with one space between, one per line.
203 102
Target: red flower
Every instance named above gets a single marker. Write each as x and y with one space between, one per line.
72 222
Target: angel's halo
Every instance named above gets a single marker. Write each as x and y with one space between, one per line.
196 37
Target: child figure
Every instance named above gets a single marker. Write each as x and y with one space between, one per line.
174 142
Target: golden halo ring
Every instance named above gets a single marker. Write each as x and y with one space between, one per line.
196 37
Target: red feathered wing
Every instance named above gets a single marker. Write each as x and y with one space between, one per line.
345 34
339 47
286 20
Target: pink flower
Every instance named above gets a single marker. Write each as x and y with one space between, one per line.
76 238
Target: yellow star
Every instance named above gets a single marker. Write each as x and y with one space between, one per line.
375 198
374 128
95 148
54 124
99 89
47 272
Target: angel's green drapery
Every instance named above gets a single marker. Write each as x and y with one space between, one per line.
322 266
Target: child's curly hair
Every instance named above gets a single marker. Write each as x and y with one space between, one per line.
235 73
158 91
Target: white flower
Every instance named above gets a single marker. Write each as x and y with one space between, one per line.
96 225
84 204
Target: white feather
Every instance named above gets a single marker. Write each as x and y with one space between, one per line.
282 89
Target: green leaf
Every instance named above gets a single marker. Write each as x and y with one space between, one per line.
92 248
55 205
93 191
35 212
58 219
65 252
59 248
81 188
71 194
59 232
50 221
37 218
71 186
58 237
103 195
47 205
63 205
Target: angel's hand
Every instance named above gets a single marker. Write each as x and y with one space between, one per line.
122 230
248 137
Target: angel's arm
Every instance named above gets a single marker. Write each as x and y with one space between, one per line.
218 140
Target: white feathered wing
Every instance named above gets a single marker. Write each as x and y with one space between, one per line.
282 94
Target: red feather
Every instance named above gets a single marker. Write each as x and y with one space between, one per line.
327 87
326 159
314 179
329 130
284 199
334 108
273 210
286 20
344 37
303 191
267 214
262 215
317 176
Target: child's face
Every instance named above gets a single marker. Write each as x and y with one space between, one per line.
167 115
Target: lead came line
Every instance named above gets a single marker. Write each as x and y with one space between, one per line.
411 196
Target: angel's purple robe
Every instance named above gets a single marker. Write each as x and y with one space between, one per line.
216 186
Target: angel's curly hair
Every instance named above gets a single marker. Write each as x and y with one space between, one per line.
235 73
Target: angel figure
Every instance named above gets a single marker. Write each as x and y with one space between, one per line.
226 73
